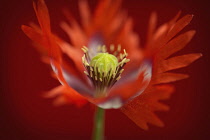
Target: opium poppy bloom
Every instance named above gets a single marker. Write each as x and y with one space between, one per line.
113 70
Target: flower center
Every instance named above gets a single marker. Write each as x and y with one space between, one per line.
104 69
105 63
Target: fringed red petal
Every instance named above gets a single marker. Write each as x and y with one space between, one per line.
161 44
177 62
168 77
50 42
66 95
165 33
180 24
35 36
75 33
151 27
141 109
108 9
176 44
85 14
42 15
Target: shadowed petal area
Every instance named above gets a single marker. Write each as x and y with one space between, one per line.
133 85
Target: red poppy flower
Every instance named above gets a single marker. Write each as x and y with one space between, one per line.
137 87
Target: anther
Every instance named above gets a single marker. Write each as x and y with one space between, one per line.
119 48
86 72
112 47
125 52
121 70
100 79
103 48
118 78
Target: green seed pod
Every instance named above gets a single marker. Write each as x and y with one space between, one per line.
104 62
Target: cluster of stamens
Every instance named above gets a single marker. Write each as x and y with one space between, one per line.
105 68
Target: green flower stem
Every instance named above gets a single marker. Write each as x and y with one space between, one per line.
98 129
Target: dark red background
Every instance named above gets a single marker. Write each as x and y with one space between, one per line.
25 115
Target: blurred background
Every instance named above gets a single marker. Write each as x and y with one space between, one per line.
26 115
